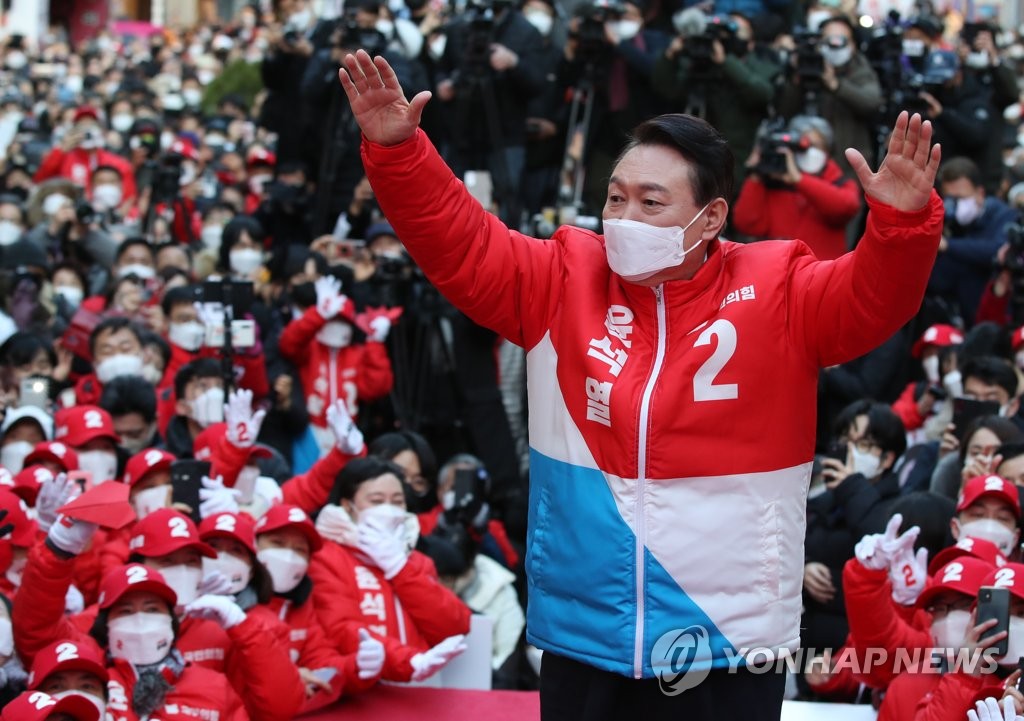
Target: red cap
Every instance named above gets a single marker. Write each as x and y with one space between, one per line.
85 111
165 531
134 577
205 443
24 533
26 483
1017 339
145 462
184 148
67 656
53 452
38 706
236 526
994 486
1010 576
964 575
79 425
938 335
967 546
261 156
285 515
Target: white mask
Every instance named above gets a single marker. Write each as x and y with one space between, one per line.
627 29
967 210
989 529
189 335
72 294
152 374
237 570
977 60
208 408
953 382
301 19
448 500
540 20
184 580
286 567
16 60
205 77
866 463
837 57
335 524
385 27
54 202
151 499
816 18
384 515
144 272
437 47
12 456
258 184
6 638
931 368
141 639
99 703
122 122
244 261
811 161
913 48
121 364
950 630
1015 643
102 465
211 235
73 83
335 334
1019 358
107 197
9 232
636 250
16 570
192 96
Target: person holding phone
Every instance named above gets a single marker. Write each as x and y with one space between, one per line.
920 399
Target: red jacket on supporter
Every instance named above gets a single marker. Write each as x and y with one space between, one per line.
353 373
409 614
816 210
77 166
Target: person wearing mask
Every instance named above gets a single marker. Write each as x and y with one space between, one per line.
89 431
198 404
811 199
974 231
115 345
919 399
367 577
12 219
241 248
69 285
54 456
22 536
107 193
134 258
39 706
131 402
22 429
412 453
988 508
69 669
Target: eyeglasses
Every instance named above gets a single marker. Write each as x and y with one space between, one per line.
942 609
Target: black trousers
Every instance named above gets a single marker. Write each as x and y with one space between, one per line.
574 691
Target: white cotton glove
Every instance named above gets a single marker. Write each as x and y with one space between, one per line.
52 495
908 574
215 497
370 656
74 601
215 583
347 436
219 609
385 547
379 329
873 551
71 536
988 710
334 524
243 424
329 300
426 664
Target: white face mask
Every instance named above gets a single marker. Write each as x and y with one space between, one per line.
189 335
636 250
101 464
236 570
978 60
540 20
151 499
335 334
210 236
107 197
9 232
967 210
866 463
16 571
448 500
1019 359
811 161
99 703
208 408
6 638
141 639
1015 643
931 368
950 630
244 261
205 77
53 203
152 374
192 96
184 580
385 27
913 48
286 567
71 293
258 183
122 122
144 272
837 57
16 60
816 18
953 382
437 47
121 364
989 529
301 19
12 456
627 29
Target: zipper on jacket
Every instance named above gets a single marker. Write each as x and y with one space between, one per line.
641 482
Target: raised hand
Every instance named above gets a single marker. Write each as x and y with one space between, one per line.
377 100
243 423
907 175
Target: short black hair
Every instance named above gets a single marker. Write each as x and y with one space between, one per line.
172 244
113 324
151 338
184 295
854 32
705 149
22 347
129 394
1011 449
884 426
389 445
931 513
960 167
129 242
199 368
358 471
108 168
992 371
1003 428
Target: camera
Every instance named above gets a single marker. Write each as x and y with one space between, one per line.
353 36
290 37
86 214
592 42
770 144
810 65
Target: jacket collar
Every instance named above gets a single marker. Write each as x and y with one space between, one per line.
680 292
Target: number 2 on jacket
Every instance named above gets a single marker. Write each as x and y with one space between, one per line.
704 387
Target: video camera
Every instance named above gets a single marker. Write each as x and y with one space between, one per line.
1014 262
810 64
353 36
479 36
592 40
770 144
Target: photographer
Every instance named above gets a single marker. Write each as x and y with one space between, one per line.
286 214
63 235
810 200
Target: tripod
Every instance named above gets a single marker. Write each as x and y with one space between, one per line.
581 112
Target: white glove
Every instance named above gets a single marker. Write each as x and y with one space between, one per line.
347 435
215 583
210 314
908 574
385 547
219 609
215 497
74 601
243 424
71 536
379 327
988 710
873 551
334 524
426 664
329 300
370 656
52 495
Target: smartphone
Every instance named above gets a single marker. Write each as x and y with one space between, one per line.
186 480
994 602
937 392
465 486
35 392
965 410
82 478
837 450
